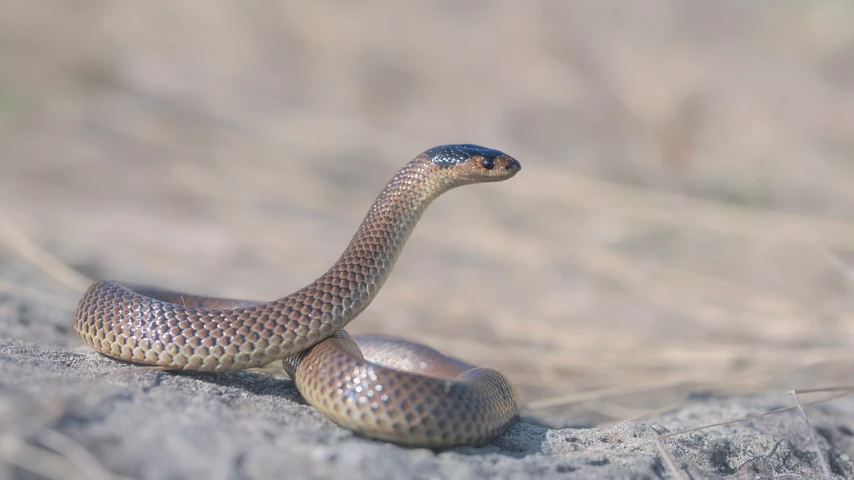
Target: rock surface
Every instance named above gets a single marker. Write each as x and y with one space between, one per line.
66 412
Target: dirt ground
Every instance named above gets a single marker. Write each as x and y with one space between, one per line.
683 223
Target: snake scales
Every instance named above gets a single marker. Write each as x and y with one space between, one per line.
379 387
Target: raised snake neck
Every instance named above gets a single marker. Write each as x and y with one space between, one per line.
179 331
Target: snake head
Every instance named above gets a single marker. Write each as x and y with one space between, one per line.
473 163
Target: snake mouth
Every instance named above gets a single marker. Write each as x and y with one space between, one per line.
512 165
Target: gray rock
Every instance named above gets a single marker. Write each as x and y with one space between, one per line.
67 412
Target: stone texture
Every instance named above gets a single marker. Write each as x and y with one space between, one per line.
149 424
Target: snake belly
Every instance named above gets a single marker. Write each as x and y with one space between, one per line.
389 389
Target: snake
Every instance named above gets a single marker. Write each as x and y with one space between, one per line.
379 387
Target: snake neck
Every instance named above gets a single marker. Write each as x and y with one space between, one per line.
367 261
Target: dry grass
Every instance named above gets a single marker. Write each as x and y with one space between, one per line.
683 219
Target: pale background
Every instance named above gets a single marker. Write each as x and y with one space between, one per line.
683 221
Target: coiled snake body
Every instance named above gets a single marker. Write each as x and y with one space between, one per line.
379 387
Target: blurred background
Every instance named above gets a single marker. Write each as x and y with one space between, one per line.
682 226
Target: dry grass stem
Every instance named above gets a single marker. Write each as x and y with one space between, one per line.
841 392
818 452
580 397
37 296
28 250
44 463
78 455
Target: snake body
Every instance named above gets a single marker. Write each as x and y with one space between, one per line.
388 389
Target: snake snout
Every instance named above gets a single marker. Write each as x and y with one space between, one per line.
512 165
503 167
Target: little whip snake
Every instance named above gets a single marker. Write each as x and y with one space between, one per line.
384 388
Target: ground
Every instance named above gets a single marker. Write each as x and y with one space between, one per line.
676 252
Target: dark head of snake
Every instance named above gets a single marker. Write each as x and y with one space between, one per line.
468 163
189 332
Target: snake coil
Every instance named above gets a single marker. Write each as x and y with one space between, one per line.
379 387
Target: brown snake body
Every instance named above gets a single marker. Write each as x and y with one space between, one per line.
389 389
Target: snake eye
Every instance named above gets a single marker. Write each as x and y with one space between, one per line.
487 163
